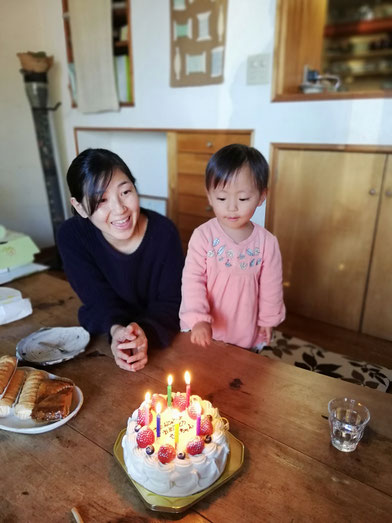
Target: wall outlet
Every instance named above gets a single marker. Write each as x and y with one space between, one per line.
258 69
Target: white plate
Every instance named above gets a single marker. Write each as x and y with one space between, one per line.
8 295
30 426
48 346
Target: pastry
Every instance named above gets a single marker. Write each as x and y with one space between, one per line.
53 400
50 387
28 395
11 393
7 367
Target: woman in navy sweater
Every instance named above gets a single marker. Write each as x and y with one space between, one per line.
123 261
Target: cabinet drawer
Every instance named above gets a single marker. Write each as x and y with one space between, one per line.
188 223
191 184
192 163
195 205
209 142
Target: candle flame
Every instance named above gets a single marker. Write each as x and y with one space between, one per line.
158 408
170 379
147 397
187 378
176 415
197 408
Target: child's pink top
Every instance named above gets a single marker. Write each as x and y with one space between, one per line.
236 287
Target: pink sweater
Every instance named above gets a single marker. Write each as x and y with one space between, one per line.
236 287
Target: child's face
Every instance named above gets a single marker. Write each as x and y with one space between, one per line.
235 203
118 212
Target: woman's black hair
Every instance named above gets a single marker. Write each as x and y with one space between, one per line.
90 173
226 162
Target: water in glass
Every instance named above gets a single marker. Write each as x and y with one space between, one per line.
347 420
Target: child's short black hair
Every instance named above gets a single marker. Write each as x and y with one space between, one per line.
226 162
90 173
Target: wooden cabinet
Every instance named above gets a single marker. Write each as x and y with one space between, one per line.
122 51
189 153
377 318
334 231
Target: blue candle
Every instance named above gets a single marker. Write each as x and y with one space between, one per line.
158 420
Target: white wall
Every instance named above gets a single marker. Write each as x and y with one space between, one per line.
150 170
37 25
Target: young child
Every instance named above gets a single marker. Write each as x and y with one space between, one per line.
232 279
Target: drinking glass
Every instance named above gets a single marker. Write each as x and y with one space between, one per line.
347 421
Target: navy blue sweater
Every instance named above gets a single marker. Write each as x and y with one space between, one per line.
117 288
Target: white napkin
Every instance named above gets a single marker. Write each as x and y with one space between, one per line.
12 306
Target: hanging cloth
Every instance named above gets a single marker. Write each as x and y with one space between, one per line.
92 43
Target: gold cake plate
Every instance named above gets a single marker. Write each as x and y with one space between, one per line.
153 501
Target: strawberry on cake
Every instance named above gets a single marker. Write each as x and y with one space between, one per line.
188 454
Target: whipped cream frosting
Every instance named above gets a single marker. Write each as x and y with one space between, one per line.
180 477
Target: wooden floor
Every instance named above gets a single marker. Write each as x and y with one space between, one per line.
336 339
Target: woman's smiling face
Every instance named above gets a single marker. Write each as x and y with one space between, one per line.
118 210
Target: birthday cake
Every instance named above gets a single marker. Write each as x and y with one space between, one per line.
181 450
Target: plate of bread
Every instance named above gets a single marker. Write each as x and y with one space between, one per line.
34 401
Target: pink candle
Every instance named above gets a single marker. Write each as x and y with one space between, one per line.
198 419
147 409
188 387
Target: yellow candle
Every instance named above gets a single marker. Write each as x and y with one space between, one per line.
176 416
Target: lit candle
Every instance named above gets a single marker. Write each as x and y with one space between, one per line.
188 387
169 391
158 407
176 416
198 419
147 409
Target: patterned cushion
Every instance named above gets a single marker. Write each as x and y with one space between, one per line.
311 357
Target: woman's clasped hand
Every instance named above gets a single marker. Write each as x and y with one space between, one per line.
129 346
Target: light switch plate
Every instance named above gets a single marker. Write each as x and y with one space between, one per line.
258 69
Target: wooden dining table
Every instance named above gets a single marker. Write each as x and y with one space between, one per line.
290 471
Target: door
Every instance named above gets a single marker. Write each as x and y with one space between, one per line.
377 319
323 209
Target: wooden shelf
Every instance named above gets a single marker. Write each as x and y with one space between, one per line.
358 56
341 95
359 27
359 74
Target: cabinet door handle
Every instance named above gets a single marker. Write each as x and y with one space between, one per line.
208 208
388 193
209 144
372 192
